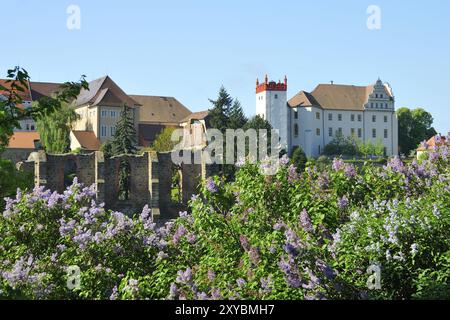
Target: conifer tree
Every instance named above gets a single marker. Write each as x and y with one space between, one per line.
125 141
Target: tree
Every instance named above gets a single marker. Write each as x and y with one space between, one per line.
219 113
236 118
10 111
299 159
54 129
125 141
11 179
163 141
414 126
341 145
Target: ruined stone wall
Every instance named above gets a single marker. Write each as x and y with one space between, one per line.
150 177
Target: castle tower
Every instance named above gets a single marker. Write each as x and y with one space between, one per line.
271 104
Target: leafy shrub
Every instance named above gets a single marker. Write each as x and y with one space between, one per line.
309 235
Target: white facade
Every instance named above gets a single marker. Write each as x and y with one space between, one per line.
367 113
271 104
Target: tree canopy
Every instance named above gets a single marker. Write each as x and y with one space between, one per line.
414 126
54 129
125 139
10 108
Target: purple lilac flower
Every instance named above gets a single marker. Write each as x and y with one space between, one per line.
323 181
194 197
338 164
240 282
215 294
114 294
244 242
305 221
191 238
181 231
266 284
284 160
211 275
211 186
145 214
292 174
290 270
184 277
342 202
350 171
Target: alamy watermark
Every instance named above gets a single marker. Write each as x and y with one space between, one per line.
374 280
233 147
73 277
74 19
374 19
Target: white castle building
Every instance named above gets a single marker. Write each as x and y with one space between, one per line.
311 119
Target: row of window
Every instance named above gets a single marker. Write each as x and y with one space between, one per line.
103 131
111 113
352 132
352 117
381 105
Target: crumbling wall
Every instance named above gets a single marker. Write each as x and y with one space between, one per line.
150 177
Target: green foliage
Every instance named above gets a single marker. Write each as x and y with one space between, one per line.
107 148
11 113
125 139
298 158
12 179
414 126
219 113
54 129
285 236
341 146
163 142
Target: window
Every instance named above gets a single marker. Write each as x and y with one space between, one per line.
359 133
376 95
352 117
32 127
374 133
330 117
386 105
103 131
28 126
339 117
376 105
385 119
296 113
112 114
112 131
318 115
276 96
330 132
104 113
295 130
352 131
359 117
385 133
374 118
371 105
317 132
381 96
385 151
340 130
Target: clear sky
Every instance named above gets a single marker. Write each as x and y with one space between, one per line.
189 48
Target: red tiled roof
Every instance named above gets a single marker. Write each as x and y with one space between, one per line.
87 140
23 140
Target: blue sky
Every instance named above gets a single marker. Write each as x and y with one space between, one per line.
189 48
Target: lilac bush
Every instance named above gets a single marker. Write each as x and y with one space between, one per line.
309 235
